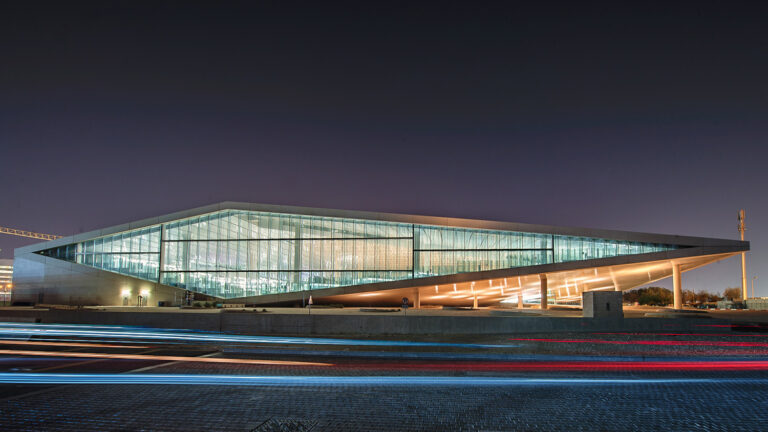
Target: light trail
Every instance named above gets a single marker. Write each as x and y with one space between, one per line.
732 326
281 380
68 344
107 341
160 358
684 334
648 342
422 356
585 366
30 330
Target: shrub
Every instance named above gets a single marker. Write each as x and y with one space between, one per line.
651 296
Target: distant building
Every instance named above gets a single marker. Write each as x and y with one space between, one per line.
263 254
6 279
757 303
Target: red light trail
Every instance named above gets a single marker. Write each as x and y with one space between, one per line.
561 366
648 342
682 334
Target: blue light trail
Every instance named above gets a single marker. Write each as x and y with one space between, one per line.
280 380
123 332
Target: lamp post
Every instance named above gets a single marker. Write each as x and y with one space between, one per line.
753 286
742 228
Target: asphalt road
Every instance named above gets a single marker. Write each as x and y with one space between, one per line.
72 377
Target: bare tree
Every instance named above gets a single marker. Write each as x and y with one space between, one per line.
732 293
689 297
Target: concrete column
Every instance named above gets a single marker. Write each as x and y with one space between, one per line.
543 279
416 300
520 299
474 303
415 255
615 283
677 285
296 275
161 258
744 293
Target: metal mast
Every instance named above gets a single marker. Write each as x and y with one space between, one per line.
742 228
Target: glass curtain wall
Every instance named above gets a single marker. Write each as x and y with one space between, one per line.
442 251
232 253
238 253
134 253
569 248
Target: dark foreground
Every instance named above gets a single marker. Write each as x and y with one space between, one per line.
104 378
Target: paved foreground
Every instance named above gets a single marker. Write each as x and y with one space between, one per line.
717 406
162 380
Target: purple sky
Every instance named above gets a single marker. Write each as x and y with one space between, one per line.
614 115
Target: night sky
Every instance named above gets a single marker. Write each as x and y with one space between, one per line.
642 117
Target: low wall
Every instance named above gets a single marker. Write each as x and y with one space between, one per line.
293 324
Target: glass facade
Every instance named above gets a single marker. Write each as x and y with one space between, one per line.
134 253
235 253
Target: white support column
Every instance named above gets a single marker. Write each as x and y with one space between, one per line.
416 300
520 298
677 285
615 283
543 282
161 258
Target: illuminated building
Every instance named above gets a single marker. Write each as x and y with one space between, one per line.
6 276
263 254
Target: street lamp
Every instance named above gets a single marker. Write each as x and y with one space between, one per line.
753 286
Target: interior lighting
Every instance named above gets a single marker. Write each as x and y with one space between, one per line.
602 288
126 292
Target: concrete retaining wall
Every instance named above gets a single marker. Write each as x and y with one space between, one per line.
293 324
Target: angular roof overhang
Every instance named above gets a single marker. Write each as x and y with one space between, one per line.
394 217
566 280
